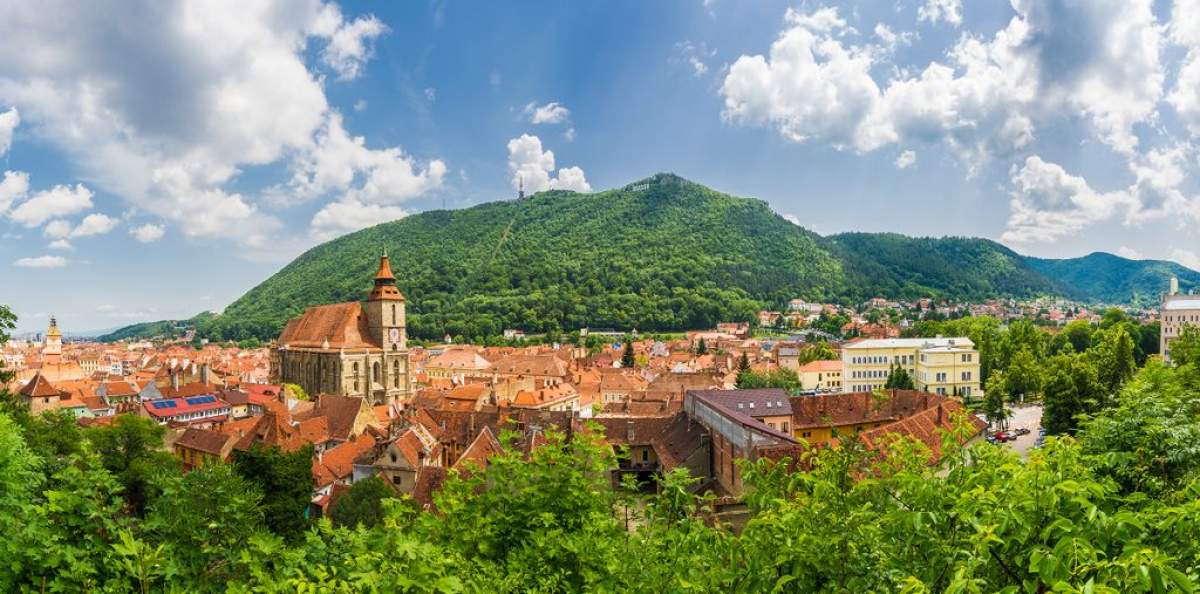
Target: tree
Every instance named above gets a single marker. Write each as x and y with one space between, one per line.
1070 390
1113 359
8 321
899 379
782 378
994 410
627 360
204 517
1185 348
362 504
131 449
743 367
1079 334
701 347
285 479
1022 378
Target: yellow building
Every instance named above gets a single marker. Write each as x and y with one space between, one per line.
938 365
821 376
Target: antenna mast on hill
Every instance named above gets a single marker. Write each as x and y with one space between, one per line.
521 191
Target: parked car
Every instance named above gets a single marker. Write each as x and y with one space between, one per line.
1022 431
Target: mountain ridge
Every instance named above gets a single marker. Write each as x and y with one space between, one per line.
661 253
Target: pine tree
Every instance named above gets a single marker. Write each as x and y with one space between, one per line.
627 356
701 348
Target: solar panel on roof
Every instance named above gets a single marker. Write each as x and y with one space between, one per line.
194 400
161 404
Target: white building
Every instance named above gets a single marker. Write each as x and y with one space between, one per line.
1176 312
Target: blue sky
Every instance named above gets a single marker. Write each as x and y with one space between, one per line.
160 158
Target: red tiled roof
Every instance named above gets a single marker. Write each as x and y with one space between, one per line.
40 387
340 325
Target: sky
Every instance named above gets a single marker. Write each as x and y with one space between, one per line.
160 157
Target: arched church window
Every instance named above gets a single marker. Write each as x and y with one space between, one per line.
396 373
393 314
375 372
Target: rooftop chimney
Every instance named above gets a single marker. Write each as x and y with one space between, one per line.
1174 286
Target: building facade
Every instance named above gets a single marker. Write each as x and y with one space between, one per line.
1175 313
947 366
349 349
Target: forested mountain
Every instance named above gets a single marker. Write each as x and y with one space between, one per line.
660 254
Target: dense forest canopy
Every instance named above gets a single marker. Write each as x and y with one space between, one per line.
662 254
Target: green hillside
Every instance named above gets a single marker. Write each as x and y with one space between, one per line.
1113 279
660 254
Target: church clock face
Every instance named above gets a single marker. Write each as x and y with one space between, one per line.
394 334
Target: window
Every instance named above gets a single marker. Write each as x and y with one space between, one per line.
396 373
393 314
375 372
645 455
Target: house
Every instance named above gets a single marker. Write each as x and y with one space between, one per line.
205 411
821 376
196 448
39 395
647 447
771 406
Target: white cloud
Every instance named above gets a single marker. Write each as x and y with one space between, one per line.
892 40
550 113
1185 32
1097 60
56 202
1128 252
337 160
61 244
349 45
57 228
530 165
791 218
1188 258
42 262
94 224
1049 203
8 122
941 10
347 215
147 233
13 187
906 159
216 87
695 55
360 105
810 87
569 135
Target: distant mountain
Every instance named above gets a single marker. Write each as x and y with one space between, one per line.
660 254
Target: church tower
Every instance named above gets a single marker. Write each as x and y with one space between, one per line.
52 349
385 309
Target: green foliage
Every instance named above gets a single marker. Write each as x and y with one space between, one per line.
899 379
776 378
701 348
131 449
363 504
627 360
1185 348
204 517
1150 440
295 391
285 480
1070 389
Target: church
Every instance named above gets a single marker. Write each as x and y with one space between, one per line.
349 349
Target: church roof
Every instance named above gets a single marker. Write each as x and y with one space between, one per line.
341 325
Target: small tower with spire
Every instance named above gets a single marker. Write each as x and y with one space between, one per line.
385 308
52 349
